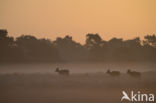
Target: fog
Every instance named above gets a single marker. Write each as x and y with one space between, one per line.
75 67
86 83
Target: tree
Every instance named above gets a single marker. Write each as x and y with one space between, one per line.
115 43
34 49
5 40
6 45
68 49
150 40
93 41
133 43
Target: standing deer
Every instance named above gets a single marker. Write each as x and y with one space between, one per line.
113 73
133 73
62 71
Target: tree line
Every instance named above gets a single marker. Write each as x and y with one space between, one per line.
28 48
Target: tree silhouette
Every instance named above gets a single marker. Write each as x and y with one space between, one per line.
6 44
28 48
34 49
5 41
133 43
150 40
68 49
115 43
93 41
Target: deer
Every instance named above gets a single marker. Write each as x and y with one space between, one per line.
113 73
133 73
62 71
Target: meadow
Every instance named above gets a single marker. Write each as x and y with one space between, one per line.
81 87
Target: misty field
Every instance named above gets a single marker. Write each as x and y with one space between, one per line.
94 86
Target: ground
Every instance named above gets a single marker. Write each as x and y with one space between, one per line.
75 88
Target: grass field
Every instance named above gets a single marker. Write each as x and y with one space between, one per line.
75 88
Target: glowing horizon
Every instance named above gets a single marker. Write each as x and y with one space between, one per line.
51 19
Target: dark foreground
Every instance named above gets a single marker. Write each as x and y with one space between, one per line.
75 88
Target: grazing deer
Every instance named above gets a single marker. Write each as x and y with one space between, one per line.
113 73
133 73
62 72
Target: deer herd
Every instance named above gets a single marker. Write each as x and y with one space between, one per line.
131 73
62 71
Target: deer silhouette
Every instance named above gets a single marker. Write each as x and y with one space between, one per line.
133 73
62 71
113 73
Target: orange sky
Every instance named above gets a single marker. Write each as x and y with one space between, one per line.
53 18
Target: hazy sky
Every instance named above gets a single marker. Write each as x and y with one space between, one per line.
52 18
